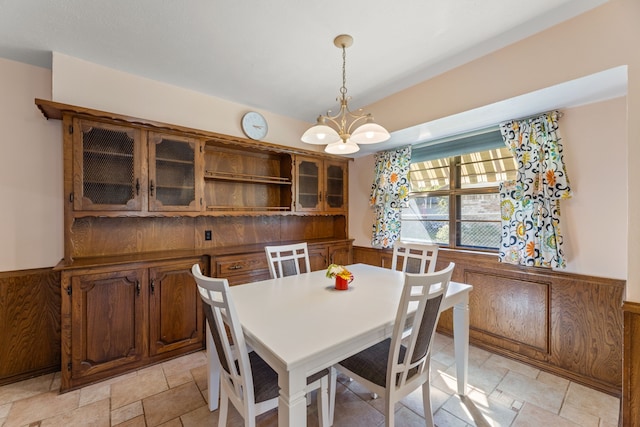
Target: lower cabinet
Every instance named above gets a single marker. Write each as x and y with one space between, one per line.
117 318
175 309
340 253
242 268
322 255
253 266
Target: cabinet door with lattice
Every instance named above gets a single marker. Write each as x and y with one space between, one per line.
107 167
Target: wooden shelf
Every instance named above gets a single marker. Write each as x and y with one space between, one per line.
106 153
239 177
250 208
175 161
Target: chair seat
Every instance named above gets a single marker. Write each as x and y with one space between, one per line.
265 379
371 363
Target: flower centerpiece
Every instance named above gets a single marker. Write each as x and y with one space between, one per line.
341 275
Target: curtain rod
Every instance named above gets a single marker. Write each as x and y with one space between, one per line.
560 114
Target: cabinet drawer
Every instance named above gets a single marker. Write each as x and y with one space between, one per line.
240 264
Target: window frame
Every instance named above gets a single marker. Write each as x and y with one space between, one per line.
454 193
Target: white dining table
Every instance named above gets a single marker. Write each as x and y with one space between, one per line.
301 325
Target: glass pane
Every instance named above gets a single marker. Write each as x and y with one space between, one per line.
426 219
487 168
425 231
479 225
485 235
429 176
107 166
308 184
485 207
175 173
334 186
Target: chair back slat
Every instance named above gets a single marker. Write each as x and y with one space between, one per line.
414 258
288 260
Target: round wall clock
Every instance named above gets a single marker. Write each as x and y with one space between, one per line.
254 125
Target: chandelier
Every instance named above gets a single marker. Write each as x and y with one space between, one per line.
349 128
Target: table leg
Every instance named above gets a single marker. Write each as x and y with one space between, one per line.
292 403
213 372
461 343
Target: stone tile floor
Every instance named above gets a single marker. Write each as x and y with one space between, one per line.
502 392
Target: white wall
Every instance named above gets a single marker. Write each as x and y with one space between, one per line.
82 83
31 216
596 217
594 220
598 40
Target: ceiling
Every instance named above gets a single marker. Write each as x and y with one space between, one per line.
276 55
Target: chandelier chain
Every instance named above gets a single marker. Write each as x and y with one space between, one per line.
343 89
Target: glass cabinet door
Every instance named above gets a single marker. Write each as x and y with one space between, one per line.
321 185
172 173
107 173
335 186
309 181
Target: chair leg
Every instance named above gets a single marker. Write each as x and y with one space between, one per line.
389 411
224 408
426 402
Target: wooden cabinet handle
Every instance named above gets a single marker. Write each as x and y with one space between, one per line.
152 285
235 267
151 188
137 186
138 287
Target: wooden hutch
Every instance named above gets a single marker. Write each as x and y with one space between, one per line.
145 201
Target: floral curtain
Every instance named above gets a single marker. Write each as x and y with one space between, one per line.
530 204
389 193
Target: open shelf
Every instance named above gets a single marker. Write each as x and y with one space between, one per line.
237 179
240 177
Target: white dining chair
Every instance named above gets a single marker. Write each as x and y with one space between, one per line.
414 257
288 260
246 380
398 365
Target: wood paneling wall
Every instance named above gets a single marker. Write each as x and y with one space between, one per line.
567 324
631 376
29 323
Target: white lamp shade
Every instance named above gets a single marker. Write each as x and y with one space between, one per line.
320 135
369 133
341 147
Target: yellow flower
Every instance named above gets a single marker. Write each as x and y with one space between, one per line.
337 270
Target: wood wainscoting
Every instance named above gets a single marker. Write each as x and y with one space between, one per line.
567 324
30 323
631 376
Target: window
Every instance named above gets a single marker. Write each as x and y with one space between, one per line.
453 199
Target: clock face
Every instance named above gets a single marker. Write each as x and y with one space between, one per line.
254 125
